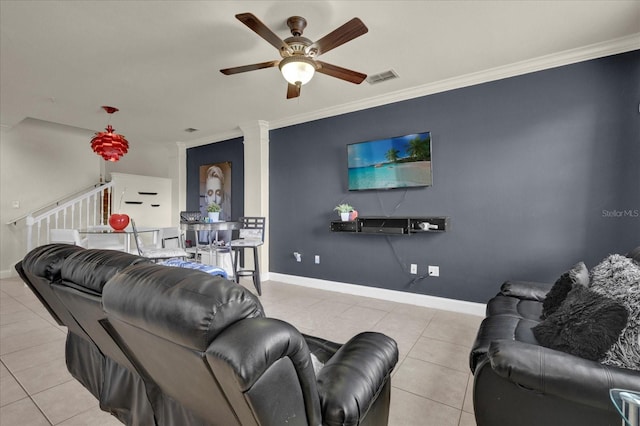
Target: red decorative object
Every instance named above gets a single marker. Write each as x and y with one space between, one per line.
109 145
118 221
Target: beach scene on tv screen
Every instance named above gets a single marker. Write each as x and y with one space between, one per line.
398 162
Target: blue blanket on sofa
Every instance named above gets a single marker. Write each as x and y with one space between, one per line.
209 269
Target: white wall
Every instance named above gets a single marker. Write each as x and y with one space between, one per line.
129 187
144 159
41 162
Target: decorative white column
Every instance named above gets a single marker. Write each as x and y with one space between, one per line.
256 182
179 190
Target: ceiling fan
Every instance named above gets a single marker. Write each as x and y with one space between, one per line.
299 63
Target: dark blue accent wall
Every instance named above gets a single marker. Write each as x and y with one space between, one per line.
230 150
530 169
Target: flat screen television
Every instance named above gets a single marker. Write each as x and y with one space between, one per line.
398 162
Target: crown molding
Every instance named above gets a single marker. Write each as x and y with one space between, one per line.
593 51
568 57
219 137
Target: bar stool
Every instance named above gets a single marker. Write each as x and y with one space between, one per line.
251 235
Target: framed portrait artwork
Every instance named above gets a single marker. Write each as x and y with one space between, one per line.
215 187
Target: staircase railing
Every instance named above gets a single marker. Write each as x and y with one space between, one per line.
88 209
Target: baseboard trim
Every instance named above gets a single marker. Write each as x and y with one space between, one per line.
423 300
8 273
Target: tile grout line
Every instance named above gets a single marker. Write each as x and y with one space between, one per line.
26 393
466 392
427 398
429 320
439 365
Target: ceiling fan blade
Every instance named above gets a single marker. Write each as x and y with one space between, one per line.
341 73
293 91
347 32
262 30
252 67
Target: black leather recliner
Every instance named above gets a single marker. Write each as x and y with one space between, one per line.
68 280
183 347
518 381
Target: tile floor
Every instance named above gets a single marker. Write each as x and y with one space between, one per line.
431 384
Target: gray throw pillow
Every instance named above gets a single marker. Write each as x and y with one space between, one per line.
577 275
586 325
618 277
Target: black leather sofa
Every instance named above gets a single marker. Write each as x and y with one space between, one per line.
159 345
517 381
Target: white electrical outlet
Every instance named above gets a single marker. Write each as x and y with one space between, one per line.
298 256
434 271
414 268
15 204
317 259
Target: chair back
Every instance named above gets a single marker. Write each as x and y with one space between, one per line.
252 228
137 239
68 280
80 289
41 267
190 216
155 253
171 237
105 240
66 236
183 333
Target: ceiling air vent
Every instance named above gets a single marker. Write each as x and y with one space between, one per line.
383 76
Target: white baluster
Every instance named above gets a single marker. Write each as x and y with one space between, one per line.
29 223
39 231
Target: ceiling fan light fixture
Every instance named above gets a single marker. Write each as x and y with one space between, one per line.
297 70
298 53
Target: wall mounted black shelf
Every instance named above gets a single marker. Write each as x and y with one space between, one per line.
393 225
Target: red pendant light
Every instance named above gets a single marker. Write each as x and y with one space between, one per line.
109 145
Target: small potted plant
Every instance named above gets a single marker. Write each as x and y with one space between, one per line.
345 211
213 212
